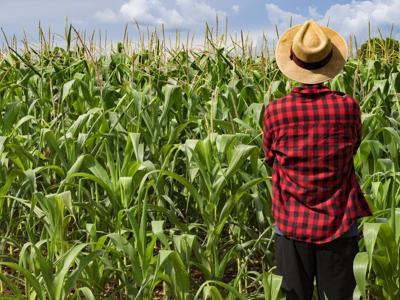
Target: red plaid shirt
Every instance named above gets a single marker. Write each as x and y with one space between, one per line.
310 137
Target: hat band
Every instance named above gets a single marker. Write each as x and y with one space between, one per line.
310 65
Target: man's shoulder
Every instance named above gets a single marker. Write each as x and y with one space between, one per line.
348 100
279 102
292 101
277 106
340 94
344 96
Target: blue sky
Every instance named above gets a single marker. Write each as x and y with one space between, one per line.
253 16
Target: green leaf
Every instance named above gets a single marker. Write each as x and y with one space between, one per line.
31 280
86 292
241 153
211 291
138 149
173 93
360 267
394 219
227 287
67 89
178 275
2 142
67 261
77 165
371 231
272 284
7 282
158 231
10 116
47 272
7 185
83 263
76 127
122 244
53 143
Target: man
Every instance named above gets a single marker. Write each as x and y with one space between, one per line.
310 137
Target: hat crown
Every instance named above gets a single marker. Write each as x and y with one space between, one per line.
310 44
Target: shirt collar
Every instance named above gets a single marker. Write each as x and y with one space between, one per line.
311 89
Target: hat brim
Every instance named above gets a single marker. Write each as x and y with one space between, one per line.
297 73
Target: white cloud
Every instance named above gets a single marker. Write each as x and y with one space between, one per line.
282 18
106 15
350 18
235 8
182 14
151 12
197 12
313 12
353 18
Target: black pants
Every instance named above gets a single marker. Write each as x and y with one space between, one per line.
331 264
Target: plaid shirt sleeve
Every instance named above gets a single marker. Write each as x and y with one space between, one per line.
268 138
310 137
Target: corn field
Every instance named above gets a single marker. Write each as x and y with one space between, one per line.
138 173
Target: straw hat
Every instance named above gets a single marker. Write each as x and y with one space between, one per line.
311 53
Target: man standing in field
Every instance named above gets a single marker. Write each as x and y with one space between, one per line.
310 137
